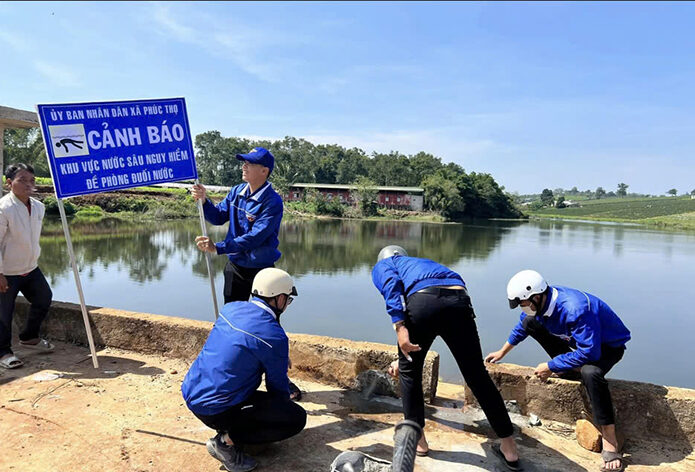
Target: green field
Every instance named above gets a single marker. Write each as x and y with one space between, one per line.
674 212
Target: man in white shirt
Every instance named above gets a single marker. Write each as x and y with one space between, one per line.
21 218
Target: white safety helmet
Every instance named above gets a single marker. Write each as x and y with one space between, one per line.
524 285
390 251
272 282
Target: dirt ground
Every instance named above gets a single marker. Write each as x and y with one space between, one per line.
58 413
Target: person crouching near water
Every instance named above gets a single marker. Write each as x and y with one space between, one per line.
425 300
221 387
579 332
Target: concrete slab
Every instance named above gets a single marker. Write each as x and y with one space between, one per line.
15 118
129 416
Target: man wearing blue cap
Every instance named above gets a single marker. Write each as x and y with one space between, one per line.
254 211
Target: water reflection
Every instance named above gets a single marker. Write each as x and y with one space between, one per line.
328 246
154 267
146 249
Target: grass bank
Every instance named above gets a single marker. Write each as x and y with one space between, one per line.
156 203
147 203
662 212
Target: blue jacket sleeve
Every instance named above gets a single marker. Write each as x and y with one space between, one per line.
267 222
276 362
218 214
586 332
518 333
386 279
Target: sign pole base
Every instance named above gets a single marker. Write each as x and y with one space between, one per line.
76 273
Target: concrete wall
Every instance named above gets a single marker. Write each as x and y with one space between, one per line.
643 410
333 361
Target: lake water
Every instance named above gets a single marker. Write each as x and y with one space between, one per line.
646 276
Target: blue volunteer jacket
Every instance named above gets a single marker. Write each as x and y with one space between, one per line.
245 342
254 223
583 319
398 277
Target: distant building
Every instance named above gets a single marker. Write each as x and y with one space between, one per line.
402 198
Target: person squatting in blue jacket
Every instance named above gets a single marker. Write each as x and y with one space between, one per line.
425 300
221 387
254 212
579 332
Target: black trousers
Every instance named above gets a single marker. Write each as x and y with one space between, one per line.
36 290
593 374
263 418
448 314
238 282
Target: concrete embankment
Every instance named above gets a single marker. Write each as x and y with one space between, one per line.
331 361
659 422
643 411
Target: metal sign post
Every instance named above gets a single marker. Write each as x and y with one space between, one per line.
208 261
76 273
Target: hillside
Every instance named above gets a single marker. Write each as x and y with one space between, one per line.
673 212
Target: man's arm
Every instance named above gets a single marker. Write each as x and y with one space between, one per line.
218 214
517 335
587 336
387 280
275 360
265 224
497 356
4 225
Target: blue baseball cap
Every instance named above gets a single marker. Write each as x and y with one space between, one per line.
258 155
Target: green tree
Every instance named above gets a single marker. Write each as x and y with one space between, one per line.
692 193
297 156
673 192
365 194
216 158
560 203
423 165
283 177
443 196
622 190
26 145
390 169
353 165
484 198
600 193
547 197
298 160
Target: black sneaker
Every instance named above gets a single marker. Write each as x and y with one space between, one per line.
232 458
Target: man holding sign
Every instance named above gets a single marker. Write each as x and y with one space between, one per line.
254 213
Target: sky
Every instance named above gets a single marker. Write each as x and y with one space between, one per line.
536 94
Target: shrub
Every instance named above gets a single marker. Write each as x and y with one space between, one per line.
51 204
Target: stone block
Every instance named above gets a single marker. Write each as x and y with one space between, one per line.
588 436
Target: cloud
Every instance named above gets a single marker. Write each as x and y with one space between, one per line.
57 74
162 16
253 50
16 42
